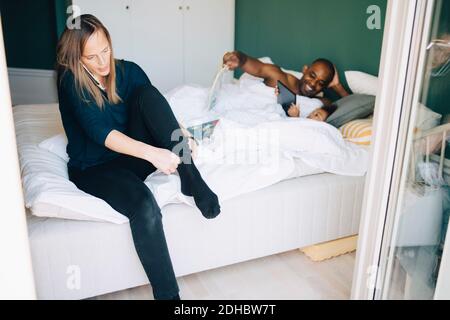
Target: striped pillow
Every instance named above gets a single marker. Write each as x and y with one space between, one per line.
358 131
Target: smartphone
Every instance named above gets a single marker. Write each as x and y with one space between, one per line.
93 77
286 97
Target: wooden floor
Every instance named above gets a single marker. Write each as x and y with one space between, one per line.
290 276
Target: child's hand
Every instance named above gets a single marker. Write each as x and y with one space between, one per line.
277 91
294 111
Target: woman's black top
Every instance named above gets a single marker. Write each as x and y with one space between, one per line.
86 125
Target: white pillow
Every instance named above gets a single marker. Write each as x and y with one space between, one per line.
427 118
268 60
362 83
56 144
248 76
49 192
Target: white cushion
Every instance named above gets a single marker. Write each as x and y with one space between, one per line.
48 192
427 118
296 74
362 83
56 144
268 60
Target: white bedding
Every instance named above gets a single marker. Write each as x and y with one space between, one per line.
47 190
255 145
285 216
232 163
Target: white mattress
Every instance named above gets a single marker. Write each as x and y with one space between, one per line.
289 215
285 216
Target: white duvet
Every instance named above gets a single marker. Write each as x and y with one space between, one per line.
254 145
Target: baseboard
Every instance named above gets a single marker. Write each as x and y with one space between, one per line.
32 86
331 249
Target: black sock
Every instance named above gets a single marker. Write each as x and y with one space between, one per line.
176 297
192 184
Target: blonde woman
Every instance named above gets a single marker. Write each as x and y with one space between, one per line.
119 129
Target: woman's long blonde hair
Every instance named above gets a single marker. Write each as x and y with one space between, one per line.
68 57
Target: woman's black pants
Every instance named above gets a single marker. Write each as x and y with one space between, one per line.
120 183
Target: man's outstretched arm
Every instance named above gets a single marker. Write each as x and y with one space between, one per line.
269 72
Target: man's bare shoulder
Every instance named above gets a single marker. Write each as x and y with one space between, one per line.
292 82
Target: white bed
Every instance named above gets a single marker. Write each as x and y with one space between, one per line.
290 214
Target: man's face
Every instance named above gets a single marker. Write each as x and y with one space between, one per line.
318 115
315 79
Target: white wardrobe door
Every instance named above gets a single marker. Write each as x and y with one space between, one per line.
157 41
116 16
209 33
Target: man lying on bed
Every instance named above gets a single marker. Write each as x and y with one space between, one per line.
319 75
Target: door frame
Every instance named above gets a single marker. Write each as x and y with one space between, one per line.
398 69
16 273
413 92
443 282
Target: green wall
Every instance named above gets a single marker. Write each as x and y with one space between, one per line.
292 32
296 32
31 29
